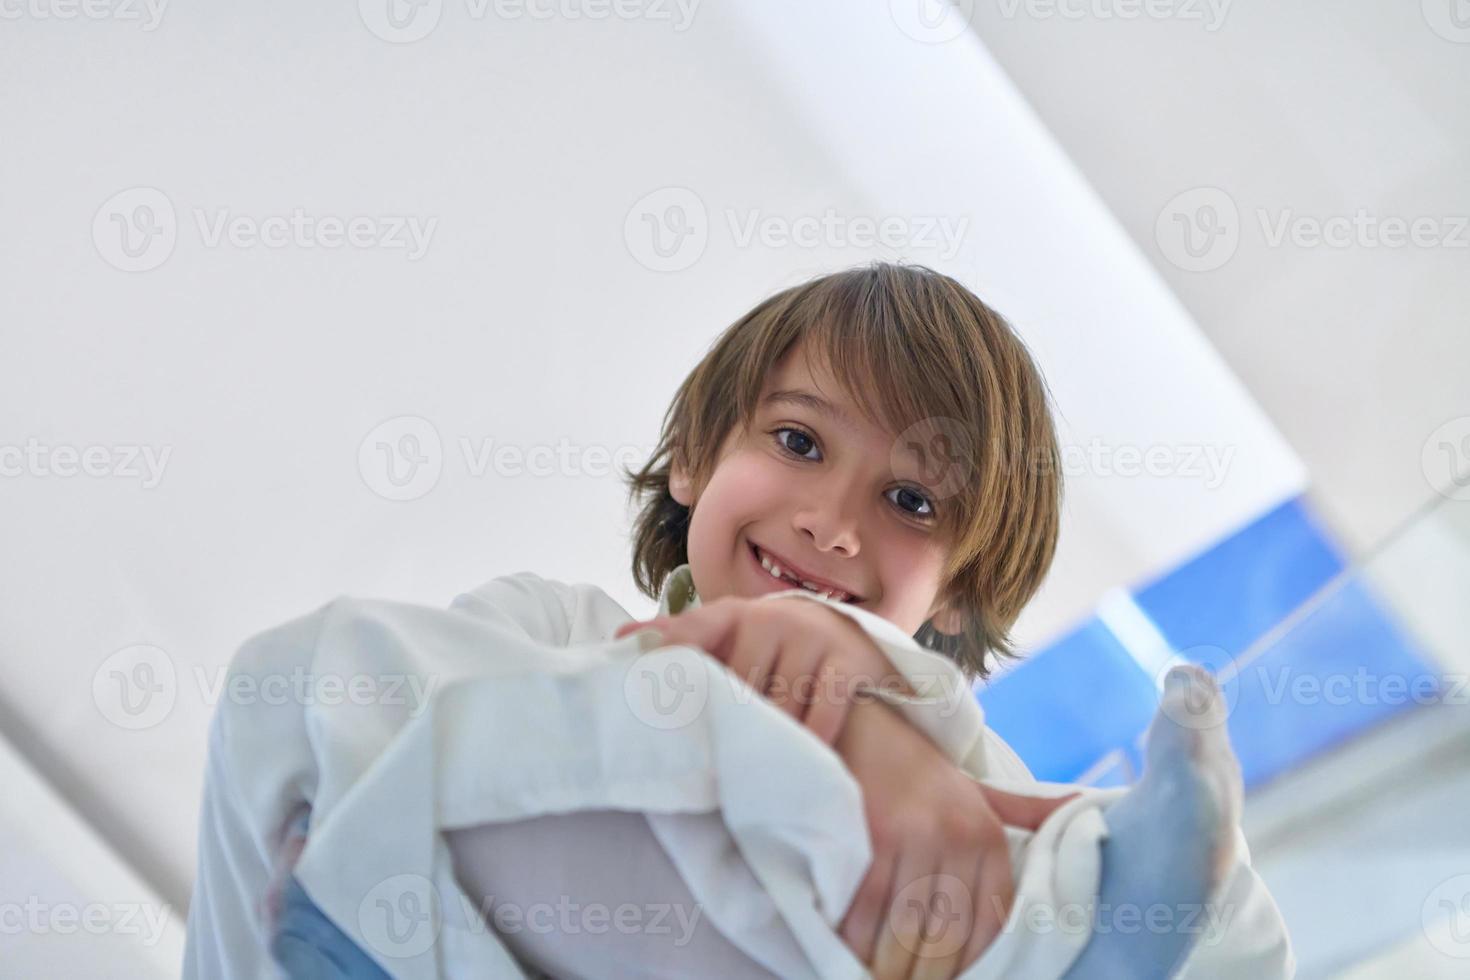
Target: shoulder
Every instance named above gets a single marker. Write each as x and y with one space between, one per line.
560 613
286 644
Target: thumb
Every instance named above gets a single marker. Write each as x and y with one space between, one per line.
631 625
706 628
1026 812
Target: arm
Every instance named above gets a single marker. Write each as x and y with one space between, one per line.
526 603
743 635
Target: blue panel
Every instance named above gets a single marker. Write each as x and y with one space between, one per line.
1342 670
1068 706
1244 585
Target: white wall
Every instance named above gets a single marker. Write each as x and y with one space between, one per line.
1312 111
529 320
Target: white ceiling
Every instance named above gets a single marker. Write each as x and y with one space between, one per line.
531 142
1358 354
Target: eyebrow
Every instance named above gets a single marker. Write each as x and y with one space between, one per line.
813 402
816 403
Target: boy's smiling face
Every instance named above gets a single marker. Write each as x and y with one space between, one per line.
817 493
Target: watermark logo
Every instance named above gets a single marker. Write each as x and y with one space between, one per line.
136 687
135 230
667 688
401 21
1445 917
1190 695
932 21
942 451
1446 459
402 458
1199 230
932 916
400 917
1450 19
667 230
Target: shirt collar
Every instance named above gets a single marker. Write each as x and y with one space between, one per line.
678 595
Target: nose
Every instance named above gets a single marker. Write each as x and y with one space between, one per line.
830 521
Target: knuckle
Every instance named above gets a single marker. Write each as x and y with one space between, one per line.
764 613
962 826
886 831
991 835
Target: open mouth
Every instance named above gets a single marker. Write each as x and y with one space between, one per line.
773 568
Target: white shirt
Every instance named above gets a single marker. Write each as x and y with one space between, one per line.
516 703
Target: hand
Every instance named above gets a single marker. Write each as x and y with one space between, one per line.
287 853
811 661
940 887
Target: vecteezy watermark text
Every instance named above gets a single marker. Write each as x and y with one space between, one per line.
137 229
406 21
402 458
1201 229
1210 13
64 461
668 230
142 920
148 13
137 687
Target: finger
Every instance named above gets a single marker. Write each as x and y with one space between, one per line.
753 649
707 628
630 626
900 934
951 920
634 625
828 711
1027 812
796 666
995 893
859 927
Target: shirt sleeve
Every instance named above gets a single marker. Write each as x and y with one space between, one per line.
1242 933
259 768
526 604
943 705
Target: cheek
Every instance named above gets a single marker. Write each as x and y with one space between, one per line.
744 490
746 483
912 570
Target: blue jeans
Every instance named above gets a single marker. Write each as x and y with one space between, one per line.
307 944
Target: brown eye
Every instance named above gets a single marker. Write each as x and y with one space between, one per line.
798 445
914 497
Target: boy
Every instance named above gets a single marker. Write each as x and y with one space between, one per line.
925 521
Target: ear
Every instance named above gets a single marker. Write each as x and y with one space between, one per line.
947 620
680 487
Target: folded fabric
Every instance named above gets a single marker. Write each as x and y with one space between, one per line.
514 703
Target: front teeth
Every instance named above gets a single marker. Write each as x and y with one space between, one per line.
775 571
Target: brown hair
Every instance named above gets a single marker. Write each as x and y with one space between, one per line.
929 353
